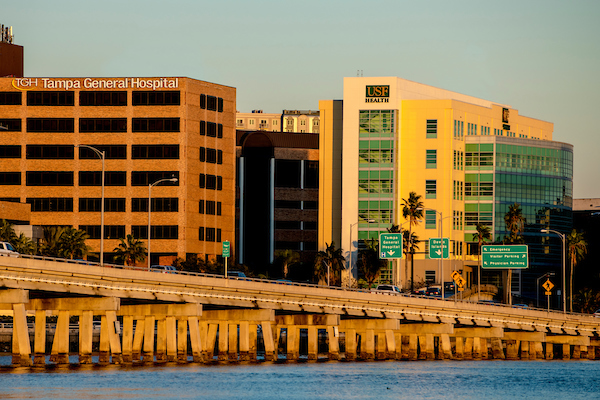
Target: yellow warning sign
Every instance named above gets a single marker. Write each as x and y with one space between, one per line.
548 286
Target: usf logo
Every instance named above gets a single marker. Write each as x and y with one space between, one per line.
377 94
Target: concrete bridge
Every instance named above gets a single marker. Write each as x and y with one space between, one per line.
148 317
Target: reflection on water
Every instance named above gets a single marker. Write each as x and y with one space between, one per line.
330 380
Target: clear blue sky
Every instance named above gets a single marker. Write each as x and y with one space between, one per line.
541 57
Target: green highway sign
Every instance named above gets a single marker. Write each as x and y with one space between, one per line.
226 249
390 245
435 248
510 256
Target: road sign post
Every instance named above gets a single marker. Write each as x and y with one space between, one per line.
548 287
390 246
511 256
226 253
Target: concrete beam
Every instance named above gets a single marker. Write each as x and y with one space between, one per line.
159 311
421 329
479 332
374 324
571 340
9 297
238 315
525 336
308 319
73 304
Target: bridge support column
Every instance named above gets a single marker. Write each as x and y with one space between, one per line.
313 343
476 354
566 351
60 344
232 345
244 340
583 352
21 344
211 341
138 339
512 349
446 349
413 343
399 347
182 339
367 345
460 350
576 352
223 340
252 341
334 347
270 349
127 339
591 352
171 325
468 349
203 328
194 339
39 358
429 347
549 351
497 349
350 342
148 353
422 348
390 345
86 336
524 350
293 343
161 341
539 350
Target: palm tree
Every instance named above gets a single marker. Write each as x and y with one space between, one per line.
371 264
483 234
130 251
413 210
7 232
577 249
50 245
331 259
515 224
72 243
287 259
24 245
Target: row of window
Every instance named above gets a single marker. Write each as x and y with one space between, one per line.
107 98
209 234
300 174
67 152
211 182
296 225
87 178
296 204
209 207
137 231
212 156
87 125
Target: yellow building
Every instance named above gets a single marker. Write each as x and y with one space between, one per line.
150 130
392 136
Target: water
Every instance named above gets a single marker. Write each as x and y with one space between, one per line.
324 380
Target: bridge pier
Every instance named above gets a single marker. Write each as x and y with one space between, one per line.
367 329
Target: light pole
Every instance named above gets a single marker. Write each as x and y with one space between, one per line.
150 208
564 278
441 261
102 155
537 287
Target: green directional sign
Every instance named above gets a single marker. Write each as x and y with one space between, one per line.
511 256
435 248
226 249
390 245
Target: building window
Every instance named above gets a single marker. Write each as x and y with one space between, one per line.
162 151
114 231
201 207
93 231
49 152
110 204
430 189
50 125
165 231
211 103
102 98
49 178
102 125
431 129
430 219
287 173
203 101
211 207
459 129
211 235
155 124
10 125
429 277
145 178
116 152
431 159
139 231
10 178
94 178
10 151
50 204
212 182
10 98
289 204
311 174
51 98
156 98
201 233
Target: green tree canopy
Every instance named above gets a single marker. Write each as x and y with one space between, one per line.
370 263
333 258
130 251
576 251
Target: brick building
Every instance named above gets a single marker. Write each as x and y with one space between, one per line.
149 129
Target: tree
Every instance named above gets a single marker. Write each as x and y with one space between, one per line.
50 245
24 245
331 259
7 232
287 258
482 235
515 224
72 243
371 264
576 250
130 251
412 208
587 301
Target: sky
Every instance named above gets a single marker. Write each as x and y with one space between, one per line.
541 57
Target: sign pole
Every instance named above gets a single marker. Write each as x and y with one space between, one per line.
226 253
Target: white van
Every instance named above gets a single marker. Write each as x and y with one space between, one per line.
165 269
7 250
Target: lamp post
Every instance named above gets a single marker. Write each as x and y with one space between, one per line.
150 209
102 155
564 278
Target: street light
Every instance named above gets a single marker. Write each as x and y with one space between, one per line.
150 209
441 261
564 291
102 155
350 247
537 287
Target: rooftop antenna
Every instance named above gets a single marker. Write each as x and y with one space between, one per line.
359 73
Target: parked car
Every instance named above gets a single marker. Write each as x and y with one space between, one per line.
434 291
165 269
7 250
387 289
236 274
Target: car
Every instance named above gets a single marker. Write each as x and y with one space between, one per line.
7 250
434 291
520 306
387 289
420 291
597 314
236 274
165 269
